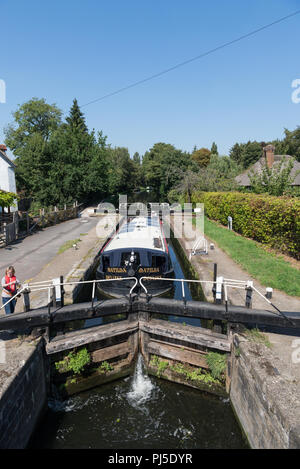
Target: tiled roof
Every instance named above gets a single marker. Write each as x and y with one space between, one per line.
244 180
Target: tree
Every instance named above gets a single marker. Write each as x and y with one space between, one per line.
57 162
123 172
188 183
252 152
162 167
218 175
225 167
247 153
32 168
236 152
136 158
34 123
81 160
280 147
291 143
202 157
95 179
214 149
76 118
32 117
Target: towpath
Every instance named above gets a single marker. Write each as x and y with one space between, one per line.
37 257
187 234
32 253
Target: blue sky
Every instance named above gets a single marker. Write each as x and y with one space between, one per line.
61 49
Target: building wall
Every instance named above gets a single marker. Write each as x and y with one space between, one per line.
4 178
7 179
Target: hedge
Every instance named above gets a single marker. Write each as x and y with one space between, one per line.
273 221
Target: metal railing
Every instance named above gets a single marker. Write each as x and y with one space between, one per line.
45 285
200 246
219 287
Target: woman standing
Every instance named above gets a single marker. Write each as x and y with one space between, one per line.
9 289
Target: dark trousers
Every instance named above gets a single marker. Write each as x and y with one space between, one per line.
9 307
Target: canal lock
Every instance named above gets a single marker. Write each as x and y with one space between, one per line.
79 369
75 380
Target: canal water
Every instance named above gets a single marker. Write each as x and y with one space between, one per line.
141 412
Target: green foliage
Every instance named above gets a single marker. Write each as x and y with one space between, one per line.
202 157
198 375
7 199
217 364
68 244
218 175
270 270
291 143
215 376
34 117
75 362
123 172
214 149
161 365
78 361
255 335
274 181
175 196
76 119
273 221
105 367
246 154
57 162
188 183
293 191
163 168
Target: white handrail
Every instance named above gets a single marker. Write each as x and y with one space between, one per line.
182 280
239 284
201 239
48 287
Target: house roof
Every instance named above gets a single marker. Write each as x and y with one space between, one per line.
244 180
5 158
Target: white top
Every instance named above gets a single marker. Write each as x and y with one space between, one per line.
6 294
140 232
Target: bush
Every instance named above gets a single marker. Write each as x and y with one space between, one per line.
217 364
75 362
273 221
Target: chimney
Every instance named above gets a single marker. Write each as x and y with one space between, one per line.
269 155
3 148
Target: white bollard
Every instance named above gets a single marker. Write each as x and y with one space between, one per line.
269 292
219 289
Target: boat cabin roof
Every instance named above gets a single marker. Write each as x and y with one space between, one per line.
140 232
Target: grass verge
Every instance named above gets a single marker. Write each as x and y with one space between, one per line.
68 245
269 269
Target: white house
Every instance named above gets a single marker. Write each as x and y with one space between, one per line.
7 175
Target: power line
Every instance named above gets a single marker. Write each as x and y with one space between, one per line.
198 57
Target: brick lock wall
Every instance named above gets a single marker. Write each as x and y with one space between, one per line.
24 401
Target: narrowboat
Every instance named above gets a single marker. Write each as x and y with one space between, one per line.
138 249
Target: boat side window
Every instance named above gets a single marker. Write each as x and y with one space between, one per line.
105 263
158 261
